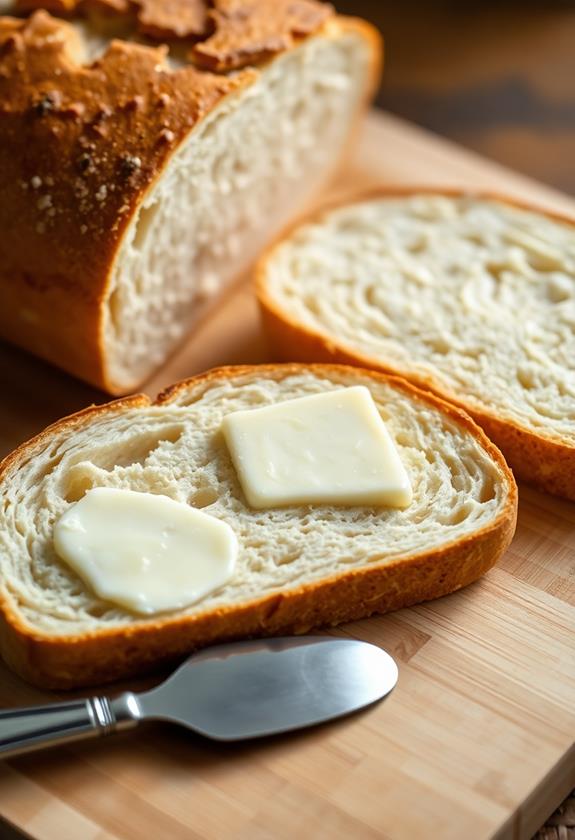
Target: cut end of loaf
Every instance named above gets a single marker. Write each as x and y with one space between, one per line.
235 182
299 567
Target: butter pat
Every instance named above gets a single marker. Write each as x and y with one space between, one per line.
145 552
330 448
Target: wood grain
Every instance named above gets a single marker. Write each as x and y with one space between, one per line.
476 741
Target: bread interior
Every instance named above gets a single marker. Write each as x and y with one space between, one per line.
177 449
240 176
473 296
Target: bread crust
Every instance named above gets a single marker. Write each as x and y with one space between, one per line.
538 459
229 34
105 655
82 147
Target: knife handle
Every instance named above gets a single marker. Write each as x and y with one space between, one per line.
35 727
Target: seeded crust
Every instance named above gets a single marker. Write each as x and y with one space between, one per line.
355 590
539 459
83 143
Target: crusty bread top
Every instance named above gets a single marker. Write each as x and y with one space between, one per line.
251 31
89 137
472 296
87 140
462 487
229 33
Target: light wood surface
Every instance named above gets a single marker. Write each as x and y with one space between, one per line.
475 742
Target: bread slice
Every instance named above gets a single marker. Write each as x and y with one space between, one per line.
470 296
141 173
299 567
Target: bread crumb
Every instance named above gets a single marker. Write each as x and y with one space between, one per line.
44 202
40 227
36 182
83 228
102 193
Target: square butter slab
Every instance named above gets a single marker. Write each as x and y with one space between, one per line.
329 448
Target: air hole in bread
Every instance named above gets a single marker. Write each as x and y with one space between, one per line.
371 296
439 344
488 491
139 449
456 517
418 245
496 270
560 287
85 475
115 308
80 480
100 610
203 497
544 262
474 236
145 221
289 557
312 304
526 378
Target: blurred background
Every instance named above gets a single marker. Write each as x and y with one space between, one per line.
497 77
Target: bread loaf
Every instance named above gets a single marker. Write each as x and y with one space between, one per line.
148 150
472 297
299 567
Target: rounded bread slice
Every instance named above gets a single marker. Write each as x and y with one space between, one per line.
299 567
470 296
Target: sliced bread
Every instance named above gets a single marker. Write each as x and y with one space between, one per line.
299 567
472 297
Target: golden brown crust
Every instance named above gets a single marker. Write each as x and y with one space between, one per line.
80 146
160 19
105 655
233 33
248 31
173 18
539 459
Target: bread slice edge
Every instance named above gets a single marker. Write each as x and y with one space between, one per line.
537 459
63 662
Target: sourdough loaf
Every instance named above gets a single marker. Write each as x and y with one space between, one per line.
472 297
148 150
298 567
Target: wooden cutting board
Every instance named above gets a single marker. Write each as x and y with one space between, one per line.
476 741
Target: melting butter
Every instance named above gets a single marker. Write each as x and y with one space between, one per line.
329 448
145 552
